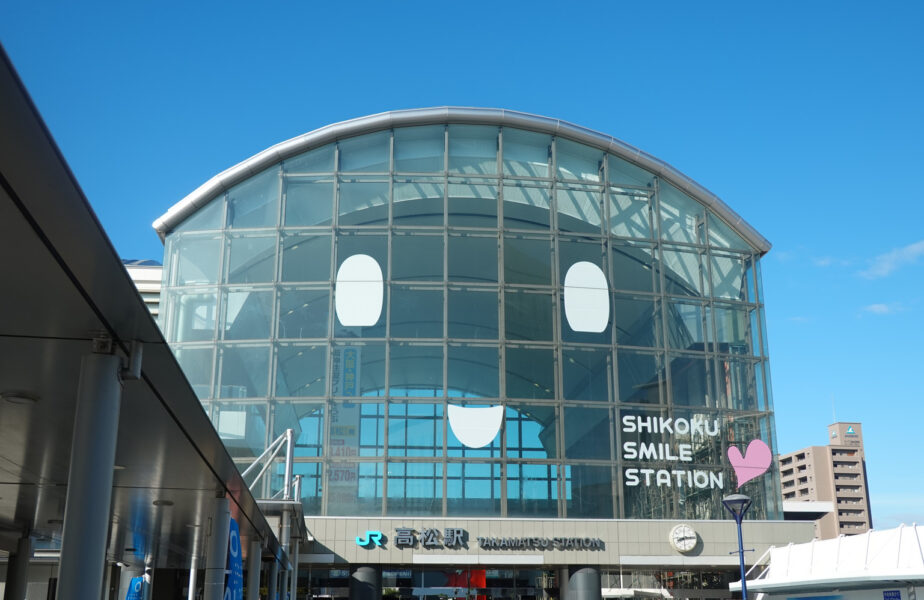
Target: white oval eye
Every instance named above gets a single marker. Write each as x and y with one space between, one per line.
587 298
475 427
358 291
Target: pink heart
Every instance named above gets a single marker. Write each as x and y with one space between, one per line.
754 463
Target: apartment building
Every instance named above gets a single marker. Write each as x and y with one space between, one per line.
834 473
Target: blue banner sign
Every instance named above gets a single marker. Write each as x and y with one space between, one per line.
235 587
135 587
886 594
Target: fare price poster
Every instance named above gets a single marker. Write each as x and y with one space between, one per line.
342 479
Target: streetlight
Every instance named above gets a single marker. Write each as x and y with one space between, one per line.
737 505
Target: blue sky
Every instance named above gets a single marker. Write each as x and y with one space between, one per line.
806 118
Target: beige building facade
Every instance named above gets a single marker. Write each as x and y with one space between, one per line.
834 473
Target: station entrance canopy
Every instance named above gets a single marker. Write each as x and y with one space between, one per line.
66 295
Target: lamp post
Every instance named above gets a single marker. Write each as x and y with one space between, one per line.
737 505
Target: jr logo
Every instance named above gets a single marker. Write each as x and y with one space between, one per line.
373 538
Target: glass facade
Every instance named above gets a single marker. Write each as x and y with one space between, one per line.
620 400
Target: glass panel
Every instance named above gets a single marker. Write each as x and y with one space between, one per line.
526 207
473 314
415 489
473 489
255 202
248 315
418 202
527 260
530 373
197 366
625 173
358 370
363 202
354 488
244 371
728 280
252 259
579 210
733 327
473 259
630 215
688 326
641 376
303 313
637 321
532 490
416 312
207 218
301 370
307 419
472 204
473 372
193 315
415 430
420 149
196 259
526 154
309 202
473 149
416 371
577 249
531 431
319 160
417 257
737 384
634 268
589 492
528 316
241 427
306 258
681 216
587 374
683 272
723 236
587 433
371 430
577 161
365 154
375 246
312 478
692 380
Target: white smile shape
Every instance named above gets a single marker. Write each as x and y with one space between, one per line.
358 291
475 427
587 298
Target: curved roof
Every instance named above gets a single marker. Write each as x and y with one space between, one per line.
451 114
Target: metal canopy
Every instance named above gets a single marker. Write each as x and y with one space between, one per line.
63 286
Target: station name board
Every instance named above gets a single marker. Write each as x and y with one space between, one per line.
432 538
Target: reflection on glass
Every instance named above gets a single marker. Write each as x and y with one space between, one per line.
683 272
577 161
528 316
527 260
473 149
416 371
531 431
530 373
303 313
473 372
586 374
306 258
309 202
416 312
363 202
634 268
244 371
579 210
248 315
737 384
630 215
415 489
636 320
722 236
473 259
354 488
641 377
193 315
473 489
587 433
419 149
472 203
418 202
417 257
252 259
207 218
300 370
255 203
532 490
688 326
526 153
197 259
197 366
526 207
366 153
682 217
473 313
589 492
728 280
319 160
415 429
692 380
241 427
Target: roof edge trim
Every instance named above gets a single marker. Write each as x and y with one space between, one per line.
177 213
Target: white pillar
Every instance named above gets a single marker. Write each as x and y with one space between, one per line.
217 558
89 481
253 571
293 580
193 572
17 570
